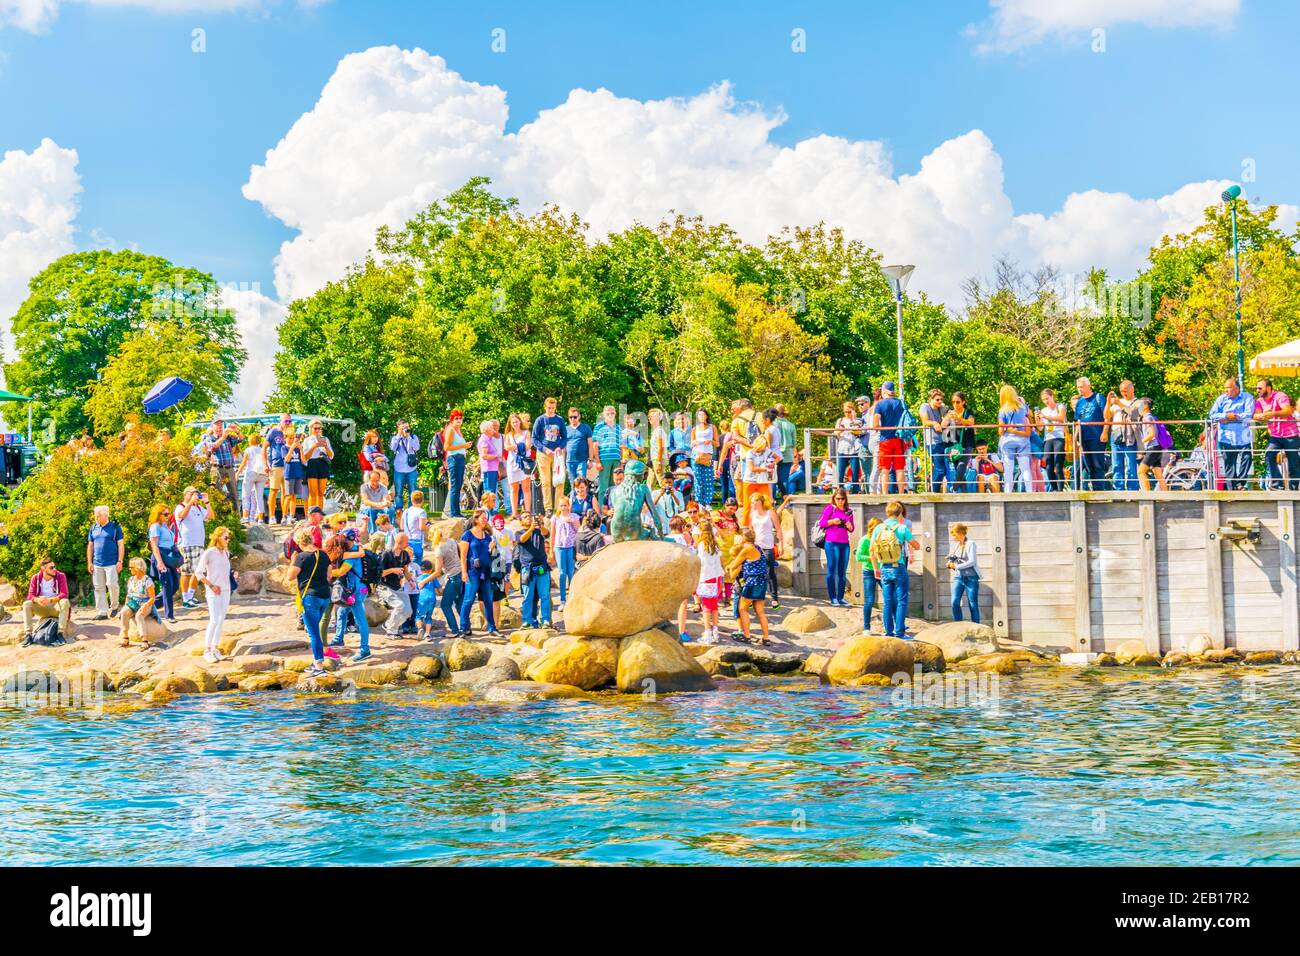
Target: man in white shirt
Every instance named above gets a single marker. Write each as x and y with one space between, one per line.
191 515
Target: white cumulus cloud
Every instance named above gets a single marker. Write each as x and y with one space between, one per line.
258 318
38 203
395 129
1015 24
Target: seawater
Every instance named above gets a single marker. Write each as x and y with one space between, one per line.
1069 768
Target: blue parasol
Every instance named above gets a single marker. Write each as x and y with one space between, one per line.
168 392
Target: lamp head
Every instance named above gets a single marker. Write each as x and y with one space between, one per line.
897 277
1231 193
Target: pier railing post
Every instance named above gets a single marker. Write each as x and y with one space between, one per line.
1286 552
1150 578
1082 589
998 534
1213 575
929 563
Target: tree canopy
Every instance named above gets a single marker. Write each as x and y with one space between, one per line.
82 307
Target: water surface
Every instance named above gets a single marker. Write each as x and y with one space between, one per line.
1070 768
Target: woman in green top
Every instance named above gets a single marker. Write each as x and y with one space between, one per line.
870 576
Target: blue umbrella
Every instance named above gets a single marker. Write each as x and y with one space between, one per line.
168 392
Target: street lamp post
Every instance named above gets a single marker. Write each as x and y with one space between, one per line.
1230 196
897 277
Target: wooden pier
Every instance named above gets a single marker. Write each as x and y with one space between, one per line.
1085 571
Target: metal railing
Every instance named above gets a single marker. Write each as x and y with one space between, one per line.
1082 461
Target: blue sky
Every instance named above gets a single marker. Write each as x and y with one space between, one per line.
165 137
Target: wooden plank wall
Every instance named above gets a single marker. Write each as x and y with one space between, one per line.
1089 571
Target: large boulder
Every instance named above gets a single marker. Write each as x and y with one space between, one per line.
260 535
505 617
586 662
961 639
868 654
373 675
653 661
150 630
521 691
500 669
272 645
1199 644
282 579
321 684
9 595
202 679
1130 650
451 528
628 587
534 636
930 657
806 620
176 684
376 613
424 667
250 582
463 655
254 560
773 662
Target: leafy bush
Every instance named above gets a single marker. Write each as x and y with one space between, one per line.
52 510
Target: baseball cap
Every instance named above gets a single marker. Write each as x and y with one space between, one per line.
887 387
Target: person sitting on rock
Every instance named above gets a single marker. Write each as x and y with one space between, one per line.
47 596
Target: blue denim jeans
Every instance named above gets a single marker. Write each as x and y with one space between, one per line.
1287 448
479 587
370 514
491 479
537 593
869 586
969 586
895 587
404 483
455 481
837 569
356 612
847 472
567 560
450 602
575 469
314 610
1126 466
940 468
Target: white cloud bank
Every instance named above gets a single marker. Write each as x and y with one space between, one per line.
38 203
1016 24
395 129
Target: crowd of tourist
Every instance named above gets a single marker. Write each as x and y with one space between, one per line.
543 487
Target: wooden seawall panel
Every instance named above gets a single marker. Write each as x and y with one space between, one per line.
1089 571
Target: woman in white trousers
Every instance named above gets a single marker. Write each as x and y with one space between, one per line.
213 570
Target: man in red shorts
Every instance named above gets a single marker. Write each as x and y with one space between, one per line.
888 415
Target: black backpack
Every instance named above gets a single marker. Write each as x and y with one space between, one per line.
371 572
437 448
46 634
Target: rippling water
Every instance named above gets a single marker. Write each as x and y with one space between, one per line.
1071 768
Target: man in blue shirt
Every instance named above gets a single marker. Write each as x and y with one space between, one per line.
404 446
548 438
1090 413
1233 415
888 416
105 551
579 448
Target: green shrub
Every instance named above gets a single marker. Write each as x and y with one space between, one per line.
52 510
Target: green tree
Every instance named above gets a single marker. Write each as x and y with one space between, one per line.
82 306
152 353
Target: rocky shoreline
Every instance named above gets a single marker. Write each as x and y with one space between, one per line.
615 640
